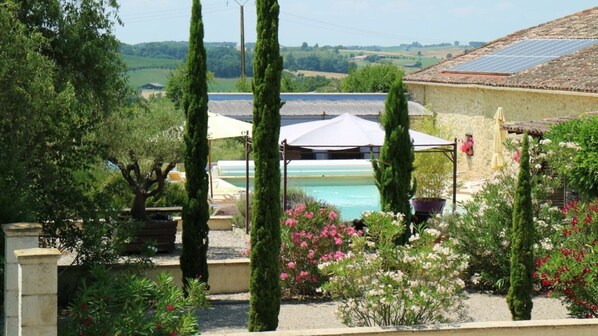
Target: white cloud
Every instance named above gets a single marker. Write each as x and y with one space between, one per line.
505 5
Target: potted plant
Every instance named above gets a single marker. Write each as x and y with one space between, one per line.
144 142
432 172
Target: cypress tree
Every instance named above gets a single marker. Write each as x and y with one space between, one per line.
265 219
194 262
519 297
392 170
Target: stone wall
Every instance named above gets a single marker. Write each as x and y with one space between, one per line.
470 109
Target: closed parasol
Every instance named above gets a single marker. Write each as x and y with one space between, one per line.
500 135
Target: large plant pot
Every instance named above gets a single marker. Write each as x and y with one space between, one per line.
425 208
161 232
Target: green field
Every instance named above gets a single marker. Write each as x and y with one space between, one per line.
137 78
137 62
224 84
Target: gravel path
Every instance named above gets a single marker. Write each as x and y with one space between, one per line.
228 313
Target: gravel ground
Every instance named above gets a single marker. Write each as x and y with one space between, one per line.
228 313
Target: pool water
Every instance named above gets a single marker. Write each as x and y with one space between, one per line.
351 195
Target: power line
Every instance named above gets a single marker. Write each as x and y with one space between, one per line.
346 29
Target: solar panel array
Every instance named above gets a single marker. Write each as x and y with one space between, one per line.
522 55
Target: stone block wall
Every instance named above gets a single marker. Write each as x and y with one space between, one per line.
470 109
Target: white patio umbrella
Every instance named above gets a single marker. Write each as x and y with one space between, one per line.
347 131
222 127
500 135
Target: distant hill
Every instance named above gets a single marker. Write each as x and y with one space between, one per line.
152 61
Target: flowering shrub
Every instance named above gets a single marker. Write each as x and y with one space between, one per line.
571 270
380 283
575 145
133 305
310 234
484 229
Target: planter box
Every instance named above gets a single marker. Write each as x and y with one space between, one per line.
162 232
216 223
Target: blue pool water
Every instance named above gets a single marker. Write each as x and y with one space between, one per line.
351 195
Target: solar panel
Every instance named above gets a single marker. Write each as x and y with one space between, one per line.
522 55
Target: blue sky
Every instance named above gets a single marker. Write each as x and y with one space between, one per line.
346 22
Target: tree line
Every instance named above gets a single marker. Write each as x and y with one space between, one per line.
224 58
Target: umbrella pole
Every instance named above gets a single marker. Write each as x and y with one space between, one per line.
210 168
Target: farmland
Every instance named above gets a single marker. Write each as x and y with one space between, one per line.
152 62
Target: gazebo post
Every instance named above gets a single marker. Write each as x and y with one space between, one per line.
284 180
247 151
455 175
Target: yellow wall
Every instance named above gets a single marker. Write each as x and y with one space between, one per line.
470 109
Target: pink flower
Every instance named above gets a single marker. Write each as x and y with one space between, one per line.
284 276
338 241
291 265
300 208
295 238
290 222
332 216
517 155
309 215
304 275
339 255
303 244
310 254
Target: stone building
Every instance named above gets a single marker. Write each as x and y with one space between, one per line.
546 71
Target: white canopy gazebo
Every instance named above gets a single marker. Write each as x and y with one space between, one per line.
348 131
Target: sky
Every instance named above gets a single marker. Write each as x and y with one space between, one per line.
345 22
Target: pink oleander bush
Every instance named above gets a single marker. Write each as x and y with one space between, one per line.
310 234
570 272
384 284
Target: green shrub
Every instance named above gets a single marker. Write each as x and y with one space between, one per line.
381 284
125 304
576 146
173 195
484 229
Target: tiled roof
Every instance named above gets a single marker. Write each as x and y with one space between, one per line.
574 72
539 127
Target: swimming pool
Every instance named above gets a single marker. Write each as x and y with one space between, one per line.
347 184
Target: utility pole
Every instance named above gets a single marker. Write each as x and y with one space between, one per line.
241 4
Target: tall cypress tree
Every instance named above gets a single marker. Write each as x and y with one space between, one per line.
265 219
392 170
194 262
519 297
